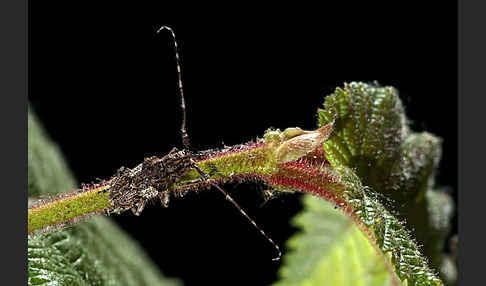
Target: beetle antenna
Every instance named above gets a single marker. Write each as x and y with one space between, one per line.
185 141
229 198
185 137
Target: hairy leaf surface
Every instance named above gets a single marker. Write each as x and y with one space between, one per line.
331 250
389 175
96 252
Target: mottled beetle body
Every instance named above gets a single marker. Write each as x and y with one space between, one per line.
155 177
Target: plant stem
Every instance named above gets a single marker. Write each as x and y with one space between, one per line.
67 208
261 160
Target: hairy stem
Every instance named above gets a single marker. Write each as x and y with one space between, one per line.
67 208
260 160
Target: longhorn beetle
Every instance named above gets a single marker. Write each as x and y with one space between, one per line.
133 188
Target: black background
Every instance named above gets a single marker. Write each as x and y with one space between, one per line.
105 86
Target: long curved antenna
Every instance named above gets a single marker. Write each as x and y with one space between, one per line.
229 198
205 176
185 141
185 137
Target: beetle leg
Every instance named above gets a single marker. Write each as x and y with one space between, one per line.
204 176
164 198
174 150
141 205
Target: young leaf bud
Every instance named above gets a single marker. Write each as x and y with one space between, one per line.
303 144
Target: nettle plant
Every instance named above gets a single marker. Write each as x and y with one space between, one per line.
373 215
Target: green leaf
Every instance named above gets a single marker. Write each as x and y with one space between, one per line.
330 250
373 138
389 233
389 175
369 127
96 252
